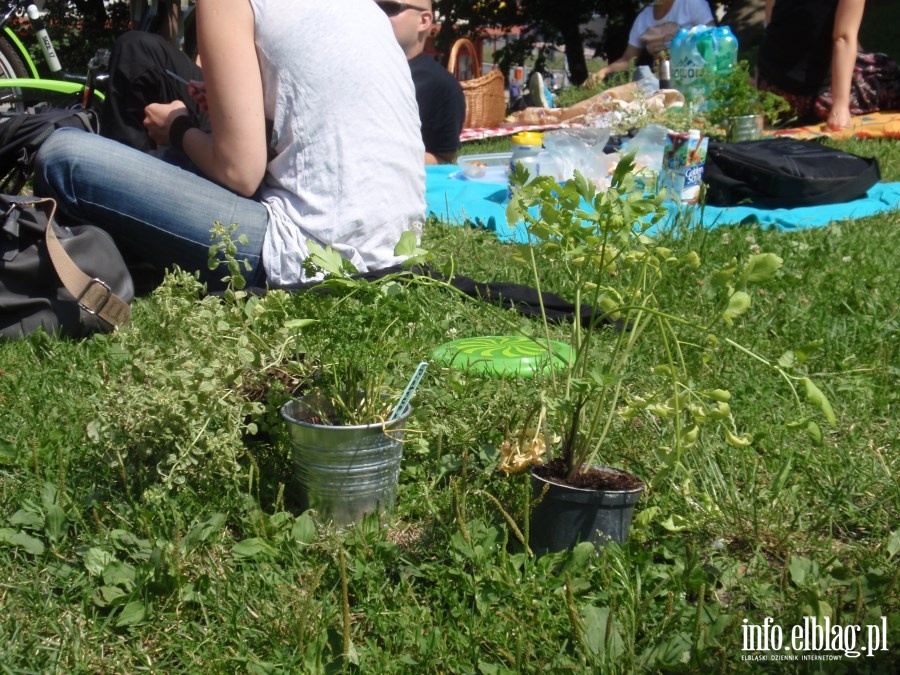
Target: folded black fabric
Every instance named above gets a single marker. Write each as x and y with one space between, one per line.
520 297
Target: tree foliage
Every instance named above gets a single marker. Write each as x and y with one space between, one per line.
543 21
80 27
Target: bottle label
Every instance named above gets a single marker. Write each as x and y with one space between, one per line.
699 55
684 156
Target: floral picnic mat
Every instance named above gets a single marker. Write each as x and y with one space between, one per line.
875 125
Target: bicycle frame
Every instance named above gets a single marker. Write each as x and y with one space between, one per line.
55 86
36 82
65 85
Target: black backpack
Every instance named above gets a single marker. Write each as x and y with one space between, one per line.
785 173
21 135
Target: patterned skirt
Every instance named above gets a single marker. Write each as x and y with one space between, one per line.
875 86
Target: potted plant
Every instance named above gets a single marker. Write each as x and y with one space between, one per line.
627 361
739 108
345 469
347 430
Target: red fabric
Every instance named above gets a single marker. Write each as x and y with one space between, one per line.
478 134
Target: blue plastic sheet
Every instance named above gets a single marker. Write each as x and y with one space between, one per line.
458 201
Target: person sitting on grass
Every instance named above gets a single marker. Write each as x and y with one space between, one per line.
140 60
653 30
314 136
137 78
442 106
821 71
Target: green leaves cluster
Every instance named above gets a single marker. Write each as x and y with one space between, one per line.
734 94
598 244
359 334
36 522
201 377
736 279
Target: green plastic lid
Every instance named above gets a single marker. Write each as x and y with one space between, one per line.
502 355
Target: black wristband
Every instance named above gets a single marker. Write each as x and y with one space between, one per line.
178 128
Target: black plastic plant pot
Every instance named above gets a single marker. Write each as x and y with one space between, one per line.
566 516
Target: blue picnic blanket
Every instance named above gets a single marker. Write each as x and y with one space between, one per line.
458 200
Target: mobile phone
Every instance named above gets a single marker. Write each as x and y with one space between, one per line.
176 76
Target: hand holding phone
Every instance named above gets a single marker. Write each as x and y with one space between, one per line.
196 89
177 77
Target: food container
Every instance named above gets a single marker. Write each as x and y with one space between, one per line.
487 168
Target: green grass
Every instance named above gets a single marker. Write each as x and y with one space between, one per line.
118 558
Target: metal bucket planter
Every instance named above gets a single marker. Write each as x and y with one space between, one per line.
567 515
345 472
745 128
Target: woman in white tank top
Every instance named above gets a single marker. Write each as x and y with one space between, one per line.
315 135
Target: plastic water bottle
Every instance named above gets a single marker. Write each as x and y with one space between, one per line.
689 66
726 50
526 148
683 65
677 57
706 44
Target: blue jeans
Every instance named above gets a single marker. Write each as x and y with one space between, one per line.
155 211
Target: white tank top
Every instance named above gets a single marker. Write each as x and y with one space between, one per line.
348 169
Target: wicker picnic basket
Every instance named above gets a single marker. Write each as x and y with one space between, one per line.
485 95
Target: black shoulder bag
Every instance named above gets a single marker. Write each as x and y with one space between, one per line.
23 133
68 281
785 173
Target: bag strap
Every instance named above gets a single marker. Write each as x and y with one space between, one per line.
93 295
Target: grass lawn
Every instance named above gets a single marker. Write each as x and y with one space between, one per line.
148 520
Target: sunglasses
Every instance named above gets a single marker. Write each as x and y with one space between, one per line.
394 8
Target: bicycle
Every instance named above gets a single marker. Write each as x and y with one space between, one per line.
21 85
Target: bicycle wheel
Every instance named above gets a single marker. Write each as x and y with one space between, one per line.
11 66
10 62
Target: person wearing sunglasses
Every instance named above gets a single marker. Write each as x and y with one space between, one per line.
442 106
314 137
